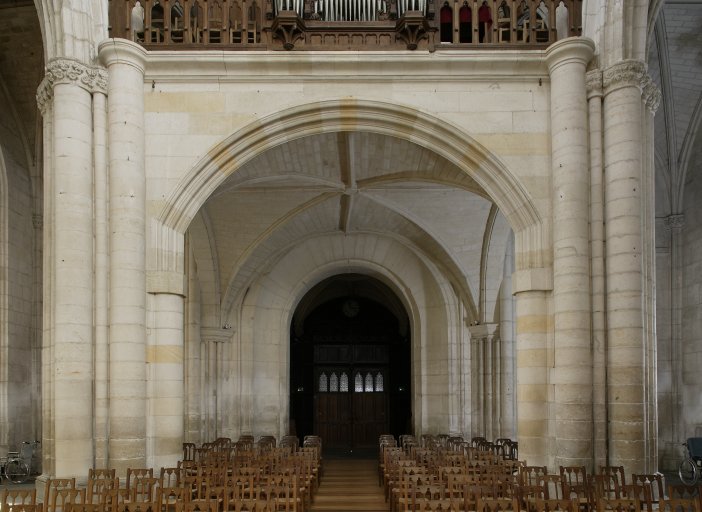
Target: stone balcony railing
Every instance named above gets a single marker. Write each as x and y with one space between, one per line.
344 24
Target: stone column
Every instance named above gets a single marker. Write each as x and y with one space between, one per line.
69 264
534 323
627 354
127 313
164 358
597 270
101 279
572 377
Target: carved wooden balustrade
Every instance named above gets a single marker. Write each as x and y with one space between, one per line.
344 24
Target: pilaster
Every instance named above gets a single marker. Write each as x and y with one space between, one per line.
572 376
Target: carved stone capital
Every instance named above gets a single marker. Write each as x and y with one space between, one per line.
593 83
69 71
628 73
674 221
651 94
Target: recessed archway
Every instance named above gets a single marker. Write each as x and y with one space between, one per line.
350 364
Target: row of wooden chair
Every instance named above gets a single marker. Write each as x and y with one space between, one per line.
448 475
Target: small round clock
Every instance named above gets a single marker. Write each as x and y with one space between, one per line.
350 308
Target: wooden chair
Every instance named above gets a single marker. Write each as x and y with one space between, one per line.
653 488
606 486
554 487
11 497
680 505
188 451
94 474
169 496
171 476
555 505
85 507
616 472
144 490
52 487
62 498
112 498
497 505
576 485
143 506
96 489
618 505
134 474
24 507
197 506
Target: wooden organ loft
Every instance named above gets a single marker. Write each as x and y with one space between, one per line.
344 24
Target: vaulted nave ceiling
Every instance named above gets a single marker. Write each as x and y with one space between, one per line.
347 182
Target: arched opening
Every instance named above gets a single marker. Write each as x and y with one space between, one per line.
350 377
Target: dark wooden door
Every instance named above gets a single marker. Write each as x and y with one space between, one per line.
350 407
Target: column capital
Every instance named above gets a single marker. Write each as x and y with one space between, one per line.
593 83
122 51
70 71
481 331
532 279
627 73
573 50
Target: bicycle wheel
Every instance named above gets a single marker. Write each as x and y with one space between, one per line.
688 472
17 471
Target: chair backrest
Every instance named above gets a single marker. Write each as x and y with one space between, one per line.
62 498
96 489
615 471
134 474
52 486
145 489
18 497
653 485
101 473
85 507
554 486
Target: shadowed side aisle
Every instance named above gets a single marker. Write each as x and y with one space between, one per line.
350 485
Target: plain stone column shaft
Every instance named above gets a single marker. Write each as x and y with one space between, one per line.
165 375
623 121
566 61
127 311
533 429
72 262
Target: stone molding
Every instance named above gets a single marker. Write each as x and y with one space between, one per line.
483 331
532 279
165 282
674 221
69 71
217 335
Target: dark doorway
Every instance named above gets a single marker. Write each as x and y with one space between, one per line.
350 364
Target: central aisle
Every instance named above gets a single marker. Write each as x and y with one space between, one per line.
350 485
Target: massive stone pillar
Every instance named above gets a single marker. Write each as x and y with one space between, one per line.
65 98
534 323
572 379
127 286
629 359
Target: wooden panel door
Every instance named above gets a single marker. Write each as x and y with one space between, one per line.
334 419
369 418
